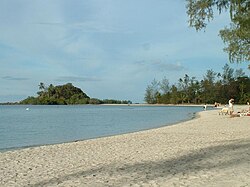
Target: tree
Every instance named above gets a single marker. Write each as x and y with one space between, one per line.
239 73
164 96
51 90
174 94
243 84
237 36
41 87
183 88
164 85
152 92
193 90
57 95
208 86
227 74
210 76
214 87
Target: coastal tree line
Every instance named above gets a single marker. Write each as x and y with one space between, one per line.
66 94
214 87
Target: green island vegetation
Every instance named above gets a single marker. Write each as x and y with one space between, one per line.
214 87
66 94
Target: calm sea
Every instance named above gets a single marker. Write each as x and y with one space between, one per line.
41 125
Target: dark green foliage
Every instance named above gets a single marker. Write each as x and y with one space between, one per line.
95 101
58 95
214 87
65 95
30 100
112 101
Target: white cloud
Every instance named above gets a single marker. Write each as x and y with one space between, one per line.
11 78
125 44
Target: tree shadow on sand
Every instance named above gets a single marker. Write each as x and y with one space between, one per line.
224 156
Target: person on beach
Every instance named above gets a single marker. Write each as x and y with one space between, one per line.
230 106
205 107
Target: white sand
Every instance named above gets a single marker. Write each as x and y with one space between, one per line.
211 150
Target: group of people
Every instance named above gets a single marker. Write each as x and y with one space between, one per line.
230 109
245 112
216 104
230 105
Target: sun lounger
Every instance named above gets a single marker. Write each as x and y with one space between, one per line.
224 111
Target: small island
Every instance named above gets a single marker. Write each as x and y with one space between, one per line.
66 94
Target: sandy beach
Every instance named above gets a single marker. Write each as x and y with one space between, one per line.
210 150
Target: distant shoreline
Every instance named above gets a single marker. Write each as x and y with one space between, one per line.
145 104
137 104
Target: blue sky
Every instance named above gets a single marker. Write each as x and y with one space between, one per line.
108 48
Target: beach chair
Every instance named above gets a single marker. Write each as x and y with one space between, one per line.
224 111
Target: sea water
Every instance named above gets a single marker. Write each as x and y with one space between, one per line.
24 126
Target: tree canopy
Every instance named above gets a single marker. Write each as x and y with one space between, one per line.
214 87
65 95
237 35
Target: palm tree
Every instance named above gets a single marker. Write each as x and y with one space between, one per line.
41 86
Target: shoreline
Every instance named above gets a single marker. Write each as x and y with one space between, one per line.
145 104
194 115
133 104
209 150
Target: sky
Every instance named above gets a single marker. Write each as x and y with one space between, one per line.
111 49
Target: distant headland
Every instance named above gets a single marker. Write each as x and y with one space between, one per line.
66 94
